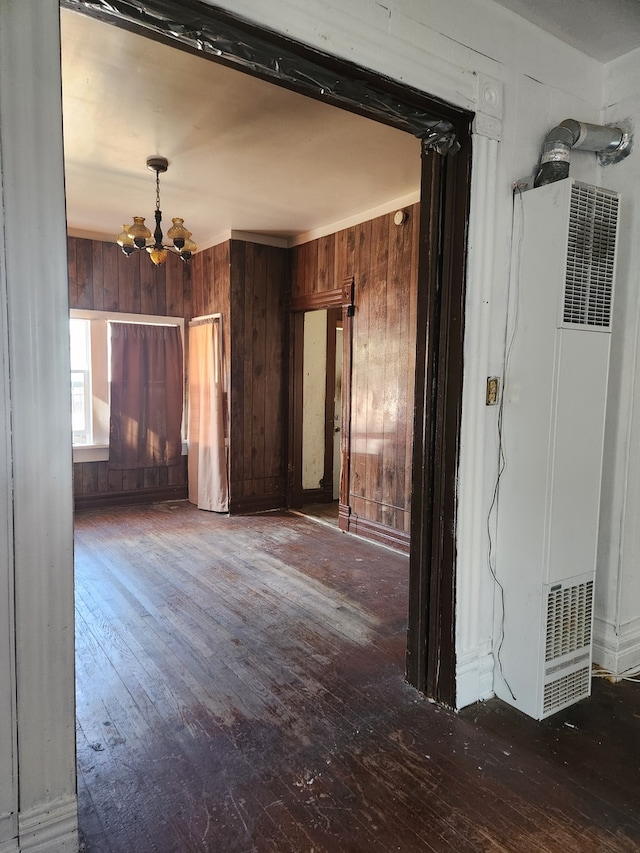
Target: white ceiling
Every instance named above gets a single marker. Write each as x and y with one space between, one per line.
246 155
603 29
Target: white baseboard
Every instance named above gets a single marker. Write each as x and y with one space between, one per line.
474 676
616 649
50 828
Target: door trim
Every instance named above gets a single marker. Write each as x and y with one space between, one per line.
299 306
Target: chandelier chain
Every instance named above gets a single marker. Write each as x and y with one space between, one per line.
157 190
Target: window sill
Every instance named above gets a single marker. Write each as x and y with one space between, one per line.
100 452
91 453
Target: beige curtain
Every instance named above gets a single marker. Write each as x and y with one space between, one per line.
208 480
146 396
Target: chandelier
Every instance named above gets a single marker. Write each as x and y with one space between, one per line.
137 236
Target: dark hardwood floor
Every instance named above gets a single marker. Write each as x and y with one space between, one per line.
240 688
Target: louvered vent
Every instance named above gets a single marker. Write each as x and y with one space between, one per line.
566 690
568 619
593 222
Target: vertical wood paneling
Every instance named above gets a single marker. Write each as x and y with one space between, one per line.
148 277
176 288
71 266
210 282
101 278
238 394
258 372
97 271
261 372
298 270
311 269
129 282
383 259
326 264
84 274
361 441
399 317
110 285
411 352
274 418
377 366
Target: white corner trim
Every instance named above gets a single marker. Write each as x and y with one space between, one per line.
474 597
474 677
617 650
49 828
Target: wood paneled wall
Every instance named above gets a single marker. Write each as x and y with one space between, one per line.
259 290
247 284
383 259
101 278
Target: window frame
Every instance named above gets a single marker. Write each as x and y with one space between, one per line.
98 450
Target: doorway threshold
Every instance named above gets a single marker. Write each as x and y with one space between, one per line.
322 513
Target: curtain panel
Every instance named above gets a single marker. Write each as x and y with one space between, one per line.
208 477
146 396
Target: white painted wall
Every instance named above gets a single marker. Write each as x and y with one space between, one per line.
617 612
314 387
37 759
520 82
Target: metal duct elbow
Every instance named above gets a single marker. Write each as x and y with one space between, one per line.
611 143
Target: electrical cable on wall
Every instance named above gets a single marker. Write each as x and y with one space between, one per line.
626 675
502 459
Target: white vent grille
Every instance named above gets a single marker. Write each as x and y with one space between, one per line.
593 222
566 690
568 619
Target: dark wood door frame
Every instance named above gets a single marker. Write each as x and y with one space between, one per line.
339 299
222 37
438 405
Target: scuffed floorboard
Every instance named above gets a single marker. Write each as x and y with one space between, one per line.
240 688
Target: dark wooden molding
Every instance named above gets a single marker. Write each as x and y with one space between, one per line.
400 540
438 402
296 380
130 498
317 301
344 513
348 287
333 315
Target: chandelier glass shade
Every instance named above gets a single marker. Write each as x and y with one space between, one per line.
137 236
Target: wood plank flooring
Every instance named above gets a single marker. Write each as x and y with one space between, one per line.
240 688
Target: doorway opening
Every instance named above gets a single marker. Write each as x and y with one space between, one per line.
321 413
440 275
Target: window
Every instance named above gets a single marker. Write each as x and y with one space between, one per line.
81 424
90 392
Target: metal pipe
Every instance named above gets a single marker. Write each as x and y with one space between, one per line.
611 143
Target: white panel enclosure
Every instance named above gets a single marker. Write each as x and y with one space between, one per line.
552 440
